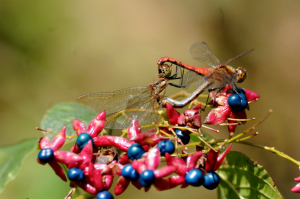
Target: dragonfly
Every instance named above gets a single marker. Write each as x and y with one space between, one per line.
140 103
216 77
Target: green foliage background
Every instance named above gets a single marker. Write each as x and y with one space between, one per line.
53 51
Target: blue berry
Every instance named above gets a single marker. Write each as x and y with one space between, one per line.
194 177
244 101
147 178
104 195
166 146
46 155
237 102
83 139
234 100
184 136
130 173
237 90
240 90
75 174
211 180
135 151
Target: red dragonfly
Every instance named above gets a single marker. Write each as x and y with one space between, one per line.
213 78
139 103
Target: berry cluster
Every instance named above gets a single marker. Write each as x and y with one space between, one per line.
229 107
137 158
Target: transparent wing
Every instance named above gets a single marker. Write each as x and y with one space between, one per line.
201 52
110 101
140 107
190 77
122 106
217 77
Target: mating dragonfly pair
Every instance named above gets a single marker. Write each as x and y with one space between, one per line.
142 102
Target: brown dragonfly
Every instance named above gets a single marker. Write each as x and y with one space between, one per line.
140 103
213 78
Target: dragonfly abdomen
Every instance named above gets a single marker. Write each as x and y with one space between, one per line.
201 71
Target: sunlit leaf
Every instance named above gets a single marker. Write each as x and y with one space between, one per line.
11 159
63 115
195 138
242 178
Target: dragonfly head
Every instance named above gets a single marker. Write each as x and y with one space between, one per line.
164 70
241 75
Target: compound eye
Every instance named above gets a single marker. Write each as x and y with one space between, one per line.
242 74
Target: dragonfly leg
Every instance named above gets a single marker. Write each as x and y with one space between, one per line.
180 85
234 85
177 86
234 88
217 94
174 76
181 79
187 79
182 74
184 102
207 102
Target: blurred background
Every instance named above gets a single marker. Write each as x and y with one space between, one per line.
54 51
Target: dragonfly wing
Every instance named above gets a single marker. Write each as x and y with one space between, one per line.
219 79
140 107
201 52
109 101
117 104
147 113
190 77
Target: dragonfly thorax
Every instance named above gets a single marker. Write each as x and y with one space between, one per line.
158 88
241 75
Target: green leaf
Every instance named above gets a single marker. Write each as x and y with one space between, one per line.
11 158
195 138
63 115
205 137
242 178
65 168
